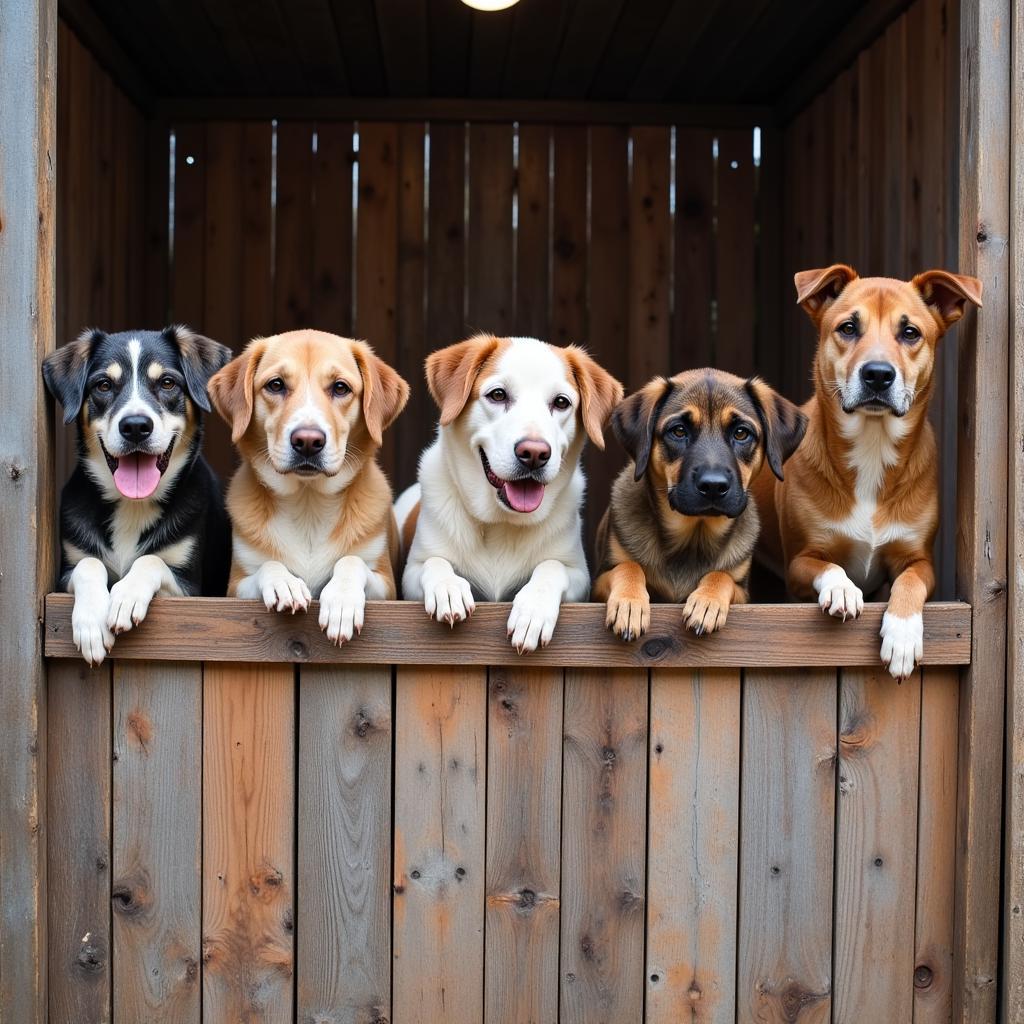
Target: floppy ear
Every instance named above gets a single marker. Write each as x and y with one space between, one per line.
816 290
451 372
65 372
947 295
201 358
384 392
782 422
599 391
634 420
231 388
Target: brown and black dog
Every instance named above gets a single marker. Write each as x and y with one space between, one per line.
859 506
680 525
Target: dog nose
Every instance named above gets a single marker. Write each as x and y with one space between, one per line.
713 483
308 440
136 428
878 376
533 454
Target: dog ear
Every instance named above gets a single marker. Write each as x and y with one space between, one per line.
201 358
65 372
384 391
816 290
231 388
634 421
947 295
452 371
782 422
599 391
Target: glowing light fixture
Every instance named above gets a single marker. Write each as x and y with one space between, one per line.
490 5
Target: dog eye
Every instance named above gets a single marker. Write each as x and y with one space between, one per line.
678 431
741 434
103 385
339 389
168 383
275 386
562 403
497 395
910 333
848 329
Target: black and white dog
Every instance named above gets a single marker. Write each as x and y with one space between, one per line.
142 507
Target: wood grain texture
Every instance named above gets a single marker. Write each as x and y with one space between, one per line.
188 276
786 847
569 236
257 249
604 798
876 846
533 233
446 246
219 629
693 846
222 305
524 794
157 838
343 912
293 227
248 842
439 839
332 228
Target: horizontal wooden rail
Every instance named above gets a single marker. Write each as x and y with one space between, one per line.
398 633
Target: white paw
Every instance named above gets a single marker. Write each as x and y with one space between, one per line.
129 602
342 603
449 599
89 629
902 643
281 591
532 621
838 595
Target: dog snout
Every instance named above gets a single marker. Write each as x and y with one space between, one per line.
308 441
878 377
135 429
532 454
712 483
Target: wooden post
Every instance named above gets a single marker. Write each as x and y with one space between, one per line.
28 58
982 496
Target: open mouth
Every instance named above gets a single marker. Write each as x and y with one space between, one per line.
522 495
137 474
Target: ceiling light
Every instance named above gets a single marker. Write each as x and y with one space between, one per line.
490 5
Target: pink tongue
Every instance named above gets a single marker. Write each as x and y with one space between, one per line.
524 495
136 475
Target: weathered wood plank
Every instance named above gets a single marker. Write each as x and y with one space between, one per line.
219 629
603 845
293 259
439 833
332 228
257 253
533 243
188 277
446 244
876 846
157 797
343 917
156 284
693 842
524 799
786 847
569 236
248 842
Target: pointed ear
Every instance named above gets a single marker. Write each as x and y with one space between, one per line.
599 391
231 388
947 295
452 371
816 290
782 422
635 419
65 372
201 358
384 392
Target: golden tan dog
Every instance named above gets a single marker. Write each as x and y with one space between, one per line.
310 507
859 505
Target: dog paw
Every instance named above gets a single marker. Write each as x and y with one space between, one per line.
449 599
90 632
282 591
628 619
341 610
838 595
704 612
533 617
902 643
129 602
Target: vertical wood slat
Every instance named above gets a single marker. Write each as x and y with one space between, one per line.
157 796
332 228
524 787
293 258
693 843
446 250
533 234
155 254
603 845
343 912
188 278
876 846
439 837
569 321
786 846
772 284
248 841
256 258
78 847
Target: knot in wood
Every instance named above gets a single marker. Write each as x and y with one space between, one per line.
564 248
656 647
298 650
587 949
125 899
923 976
527 900
362 724
92 956
608 757
795 998
694 992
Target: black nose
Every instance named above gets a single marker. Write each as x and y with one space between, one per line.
136 428
713 483
878 376
308 441
533 454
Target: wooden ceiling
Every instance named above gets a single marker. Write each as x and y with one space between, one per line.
688 51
